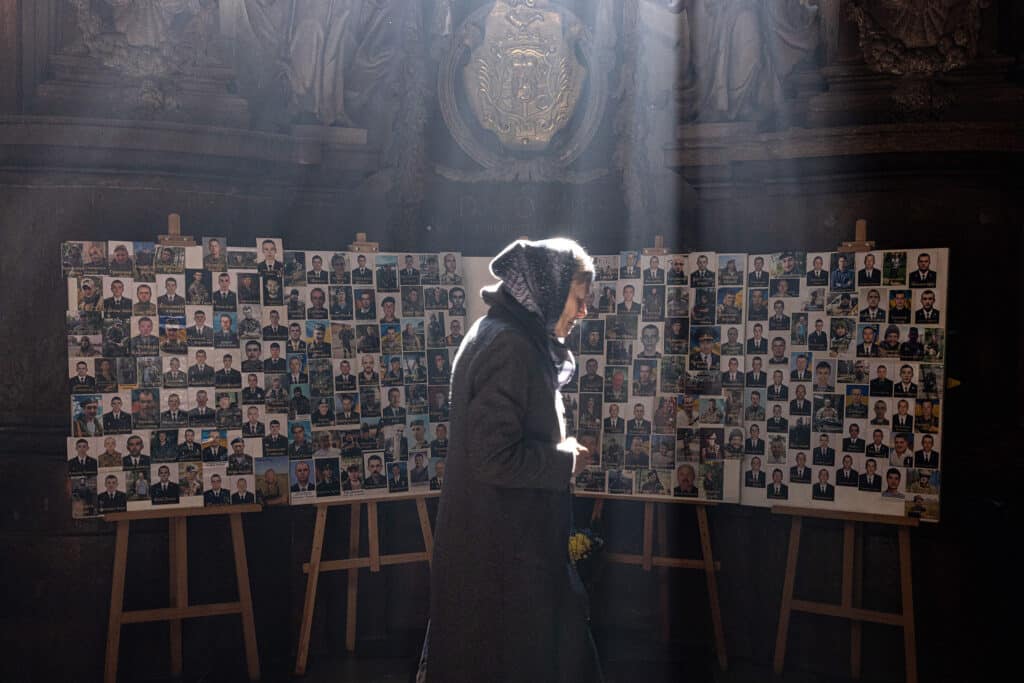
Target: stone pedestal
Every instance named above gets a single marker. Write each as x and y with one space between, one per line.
80 86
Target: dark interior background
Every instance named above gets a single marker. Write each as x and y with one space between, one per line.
841 146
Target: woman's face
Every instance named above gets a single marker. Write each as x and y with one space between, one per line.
575 308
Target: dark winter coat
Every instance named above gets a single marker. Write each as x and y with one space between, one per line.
506 605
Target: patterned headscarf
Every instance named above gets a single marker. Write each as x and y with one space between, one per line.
538 276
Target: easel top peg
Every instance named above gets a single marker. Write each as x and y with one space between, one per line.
860 242
174 238
658 249
361 245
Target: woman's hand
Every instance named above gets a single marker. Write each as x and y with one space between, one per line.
574 447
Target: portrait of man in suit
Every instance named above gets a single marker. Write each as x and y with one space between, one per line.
924 276
269 264
756 377
777 490
82 462
216 495
800 472
869 275
242 494
758 277
823 490
870 480
927 457
754 444
170 302
82 382
927 314
818 339
164 491
758 309
881 385
877 449
701 276
779 320
174 416
817 276
846 475
654 273
111 500
868 346
754 477
873 313
800 405
638 425
823 453
117 305
853 443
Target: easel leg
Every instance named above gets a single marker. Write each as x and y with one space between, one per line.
116 602
666 617
374 536
428 534
252 655
858 585
907 590
314 575
648 549
709 573
177 528
787 594
353 578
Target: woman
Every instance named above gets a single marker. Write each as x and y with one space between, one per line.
506 605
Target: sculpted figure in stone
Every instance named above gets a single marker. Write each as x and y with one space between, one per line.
332 54
735 54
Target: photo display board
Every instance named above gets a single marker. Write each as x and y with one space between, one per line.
804 379
223 374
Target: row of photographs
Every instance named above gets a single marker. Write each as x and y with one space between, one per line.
270 481
252 301
144 261
764 361
181 463
836 271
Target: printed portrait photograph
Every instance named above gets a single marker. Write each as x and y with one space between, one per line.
704 306
620 481
294 271
169 260
894 268
828 413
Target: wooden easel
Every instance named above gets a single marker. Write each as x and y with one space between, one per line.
179 608
647 559
174 238
849 607
353 563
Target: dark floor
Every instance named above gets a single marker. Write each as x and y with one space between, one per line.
396 670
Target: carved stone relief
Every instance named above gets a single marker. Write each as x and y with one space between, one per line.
918 40
519 92
736 54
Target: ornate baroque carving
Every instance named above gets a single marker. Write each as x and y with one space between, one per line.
149 38
918 38
524 67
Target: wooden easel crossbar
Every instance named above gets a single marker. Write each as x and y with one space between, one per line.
849 606
354 562
648 560
179 608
